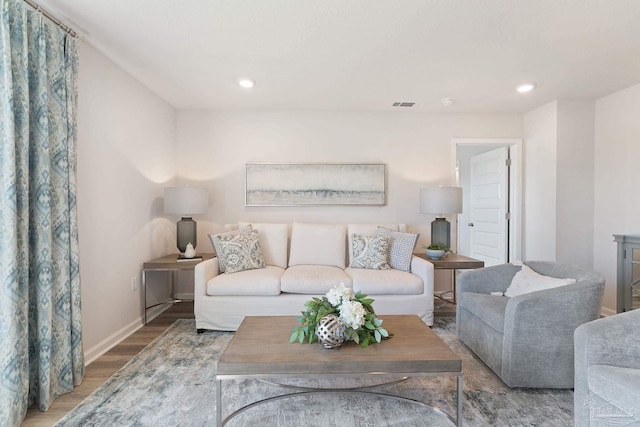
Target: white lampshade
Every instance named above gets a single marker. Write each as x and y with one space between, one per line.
185 200
441 200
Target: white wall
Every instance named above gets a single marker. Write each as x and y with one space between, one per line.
215 146
416 148
540 183
617 179
574 177
126 137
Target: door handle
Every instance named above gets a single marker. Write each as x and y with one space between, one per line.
470 224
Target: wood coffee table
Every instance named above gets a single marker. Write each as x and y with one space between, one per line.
260 349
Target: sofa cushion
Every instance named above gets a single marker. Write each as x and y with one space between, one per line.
401 249
365 230
369 252
240 251
617 385
313 279
273 241
265 281
318 244
489 308
526 281
385 282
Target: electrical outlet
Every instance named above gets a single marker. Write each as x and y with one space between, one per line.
134 283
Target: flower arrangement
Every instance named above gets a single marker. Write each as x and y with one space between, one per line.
355 312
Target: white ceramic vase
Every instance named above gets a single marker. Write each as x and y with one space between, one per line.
190 251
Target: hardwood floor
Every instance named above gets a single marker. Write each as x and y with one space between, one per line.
109 363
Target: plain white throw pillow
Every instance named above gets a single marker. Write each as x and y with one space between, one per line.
526 281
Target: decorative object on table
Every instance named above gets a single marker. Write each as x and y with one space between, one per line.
330 331
186 201
313 184
190 251
441 200
182 258
354 311
437 250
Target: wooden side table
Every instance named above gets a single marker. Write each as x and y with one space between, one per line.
171 264
452 262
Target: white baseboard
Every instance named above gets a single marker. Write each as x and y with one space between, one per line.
108 343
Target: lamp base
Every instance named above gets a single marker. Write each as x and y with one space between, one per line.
441 231
187 233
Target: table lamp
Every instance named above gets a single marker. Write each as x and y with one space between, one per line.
441 200
186 201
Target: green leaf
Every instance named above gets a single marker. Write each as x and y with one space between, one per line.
378 336
301 338
356 337
383 332
369 325
377 322
364 342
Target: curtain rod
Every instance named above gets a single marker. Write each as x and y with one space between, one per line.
52 18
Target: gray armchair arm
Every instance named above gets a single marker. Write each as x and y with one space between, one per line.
486 280
610 341
614 340
539 329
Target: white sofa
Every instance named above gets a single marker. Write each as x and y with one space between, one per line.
302 261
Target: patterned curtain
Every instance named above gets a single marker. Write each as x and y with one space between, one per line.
40 333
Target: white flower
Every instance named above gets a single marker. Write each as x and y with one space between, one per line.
339 294
352 314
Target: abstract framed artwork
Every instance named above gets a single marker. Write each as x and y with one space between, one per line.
315 184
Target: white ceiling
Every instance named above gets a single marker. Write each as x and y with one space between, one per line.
364 55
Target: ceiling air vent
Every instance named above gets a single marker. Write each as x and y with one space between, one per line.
404 104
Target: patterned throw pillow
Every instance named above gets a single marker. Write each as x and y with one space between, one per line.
240 251
217 248
369 252
400 248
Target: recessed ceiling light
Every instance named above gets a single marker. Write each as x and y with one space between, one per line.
525 87
447 102
246 83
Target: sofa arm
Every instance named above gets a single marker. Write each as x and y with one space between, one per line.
486 280
202 273
539 328
423 269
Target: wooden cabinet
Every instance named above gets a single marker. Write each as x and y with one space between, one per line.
628 291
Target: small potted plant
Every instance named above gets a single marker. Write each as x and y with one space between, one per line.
437 250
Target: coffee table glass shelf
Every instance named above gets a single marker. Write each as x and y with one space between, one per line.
260 350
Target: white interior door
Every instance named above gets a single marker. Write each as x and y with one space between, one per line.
489 201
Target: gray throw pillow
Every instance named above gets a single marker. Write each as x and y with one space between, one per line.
240 251
400 248
369 252
215 239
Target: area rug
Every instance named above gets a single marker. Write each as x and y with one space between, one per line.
172 382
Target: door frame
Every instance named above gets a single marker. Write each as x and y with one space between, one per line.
514 242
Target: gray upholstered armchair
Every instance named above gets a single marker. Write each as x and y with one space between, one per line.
527 340
607 363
